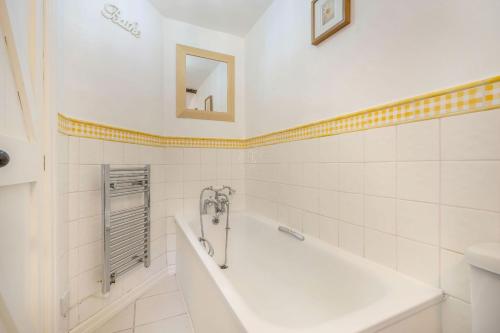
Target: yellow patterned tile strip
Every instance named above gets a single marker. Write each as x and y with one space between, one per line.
86 129
474 97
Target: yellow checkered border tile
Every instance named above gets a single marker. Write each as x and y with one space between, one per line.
85 129
474 97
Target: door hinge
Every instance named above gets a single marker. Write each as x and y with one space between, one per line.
44 159
5 40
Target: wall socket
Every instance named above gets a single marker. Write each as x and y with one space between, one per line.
64 304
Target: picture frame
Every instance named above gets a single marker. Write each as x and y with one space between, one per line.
328 17
209 103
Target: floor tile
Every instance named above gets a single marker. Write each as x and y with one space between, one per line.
122 321
179 324
158 307
166 285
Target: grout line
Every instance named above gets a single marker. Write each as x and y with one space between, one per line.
440 207
396 193
135 313
374 195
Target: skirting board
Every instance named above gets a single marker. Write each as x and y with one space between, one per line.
100 318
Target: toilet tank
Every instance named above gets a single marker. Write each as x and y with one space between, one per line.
485 287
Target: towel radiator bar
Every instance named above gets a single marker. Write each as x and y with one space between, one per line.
127 232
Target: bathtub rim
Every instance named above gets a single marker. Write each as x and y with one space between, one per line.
251 322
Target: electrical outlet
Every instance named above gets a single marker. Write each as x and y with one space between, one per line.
64 304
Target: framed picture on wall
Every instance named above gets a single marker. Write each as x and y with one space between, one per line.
328 17
209 103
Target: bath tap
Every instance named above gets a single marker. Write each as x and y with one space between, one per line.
220 201
219 208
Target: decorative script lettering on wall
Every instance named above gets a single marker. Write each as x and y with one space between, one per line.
113 13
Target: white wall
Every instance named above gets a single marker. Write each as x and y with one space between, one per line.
182 33
391 50
108 75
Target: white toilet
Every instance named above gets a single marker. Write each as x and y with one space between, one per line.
485 287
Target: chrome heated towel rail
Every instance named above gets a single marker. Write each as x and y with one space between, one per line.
126 230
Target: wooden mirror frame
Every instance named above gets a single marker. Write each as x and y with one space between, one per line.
182 110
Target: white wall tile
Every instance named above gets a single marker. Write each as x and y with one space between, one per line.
88 284
73 206
329 203
351 238
224 171
308 151
173 173
418 221
237 171
380 144
380 247
209 172
90 177
380 179
380 214
351 208
191 172
173 155
455 275
131 154
456 316
418 181
62 148
237 156
462 227
351 147
419 260
192 156
90 203
89 256
329 149
91 151
89 230
113 152
310 224
223 156
351 177
157 173
311 174
329 230
471 137
329 176
74 150
73 177
208 156
418 141
471 184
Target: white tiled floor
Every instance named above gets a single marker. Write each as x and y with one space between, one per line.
159 310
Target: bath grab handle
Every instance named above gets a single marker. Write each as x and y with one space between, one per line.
292 233
4 158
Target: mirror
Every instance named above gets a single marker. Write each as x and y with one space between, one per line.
205 84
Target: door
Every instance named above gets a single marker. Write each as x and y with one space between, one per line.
21 168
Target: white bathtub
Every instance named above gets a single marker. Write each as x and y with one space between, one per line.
276 283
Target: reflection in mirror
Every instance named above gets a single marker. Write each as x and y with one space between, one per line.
206 84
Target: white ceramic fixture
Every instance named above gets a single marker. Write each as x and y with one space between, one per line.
485 286
277 282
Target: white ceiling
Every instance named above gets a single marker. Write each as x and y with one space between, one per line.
231 16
